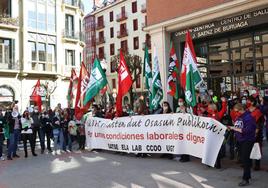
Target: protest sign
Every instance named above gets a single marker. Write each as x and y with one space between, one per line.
163 133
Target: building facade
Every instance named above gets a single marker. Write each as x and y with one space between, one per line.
41 39
119 25
230 39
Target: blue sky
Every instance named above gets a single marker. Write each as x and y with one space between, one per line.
88 5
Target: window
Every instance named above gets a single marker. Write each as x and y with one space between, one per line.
135 24
6 53
124 46
70 57
32 46
69 25
136 43
101 35
111 16
112 32
32 14
101 53
100 21
114 83
41 48
51 53
111 49
134 7
41 16
113 67
5 7
138 82
123 10
51 18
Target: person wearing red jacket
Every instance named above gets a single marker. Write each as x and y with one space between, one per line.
217 115
259 118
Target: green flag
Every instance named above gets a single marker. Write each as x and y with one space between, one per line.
157 91
191 73
147 74
97 81
190 87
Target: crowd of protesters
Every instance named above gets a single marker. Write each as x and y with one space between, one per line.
245 116
58 125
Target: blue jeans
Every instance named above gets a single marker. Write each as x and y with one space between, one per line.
56 137
13 142
63 140
1 144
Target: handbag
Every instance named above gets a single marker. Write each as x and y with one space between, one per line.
255 152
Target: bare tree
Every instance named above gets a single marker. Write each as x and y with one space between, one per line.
134 63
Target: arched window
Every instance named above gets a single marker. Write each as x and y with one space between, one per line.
7 96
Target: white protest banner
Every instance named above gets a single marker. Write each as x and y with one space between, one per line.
163 133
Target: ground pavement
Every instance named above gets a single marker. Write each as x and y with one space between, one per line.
110 170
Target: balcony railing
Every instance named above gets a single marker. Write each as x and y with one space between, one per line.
121 17
7 20
75 3
100 25
73 36
122 33
43 66
100 40
10 65
69 34
143 8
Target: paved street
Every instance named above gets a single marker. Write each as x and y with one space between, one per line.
106 170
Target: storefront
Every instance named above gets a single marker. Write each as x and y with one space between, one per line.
231 50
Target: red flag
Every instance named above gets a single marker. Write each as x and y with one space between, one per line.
173 73
83 80
189 43
72 87
124 83
36 95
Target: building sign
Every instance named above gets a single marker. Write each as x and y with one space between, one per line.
246 20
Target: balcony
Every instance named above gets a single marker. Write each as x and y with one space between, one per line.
143 8
74 4
9 23
100 40
121 34
121 17
43 67
70 34
10 66
100 25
